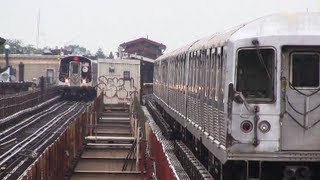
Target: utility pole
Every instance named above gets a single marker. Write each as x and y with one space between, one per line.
38 28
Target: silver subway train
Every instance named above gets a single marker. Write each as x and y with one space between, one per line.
78 78
247 99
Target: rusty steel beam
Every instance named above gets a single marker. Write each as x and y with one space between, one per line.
57 159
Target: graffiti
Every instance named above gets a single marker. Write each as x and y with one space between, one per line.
114 87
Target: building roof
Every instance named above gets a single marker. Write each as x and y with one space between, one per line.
161 46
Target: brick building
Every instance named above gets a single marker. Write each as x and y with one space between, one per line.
34 66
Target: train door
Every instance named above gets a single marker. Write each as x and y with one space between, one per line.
75 73
300 91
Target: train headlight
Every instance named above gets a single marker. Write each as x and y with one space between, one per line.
246 126
84 81
66 80
264 126
85 69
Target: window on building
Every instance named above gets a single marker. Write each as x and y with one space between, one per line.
111 69
50 75
126 75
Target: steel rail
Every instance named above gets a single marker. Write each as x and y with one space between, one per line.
19 146
45 140
25 123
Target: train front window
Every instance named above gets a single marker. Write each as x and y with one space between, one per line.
64 69
305 70
255 74
64 66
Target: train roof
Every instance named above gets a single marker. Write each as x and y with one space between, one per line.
281 24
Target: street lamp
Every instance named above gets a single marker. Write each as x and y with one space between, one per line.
6 52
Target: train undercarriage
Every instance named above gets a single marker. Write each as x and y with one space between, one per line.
242 169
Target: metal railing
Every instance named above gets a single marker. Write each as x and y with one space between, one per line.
143 159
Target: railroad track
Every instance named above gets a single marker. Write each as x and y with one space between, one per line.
181 157
22 142
13 130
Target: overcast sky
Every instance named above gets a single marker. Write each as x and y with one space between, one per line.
108 23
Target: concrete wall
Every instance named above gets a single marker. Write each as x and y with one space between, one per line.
35 66
115 87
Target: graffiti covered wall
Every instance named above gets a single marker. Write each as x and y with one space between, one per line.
118 80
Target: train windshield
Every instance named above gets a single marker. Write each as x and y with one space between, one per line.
64 66
255 74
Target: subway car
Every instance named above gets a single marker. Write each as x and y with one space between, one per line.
247 100
77 78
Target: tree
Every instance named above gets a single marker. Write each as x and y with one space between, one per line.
100 54
111 56
30 49
17 47
76 49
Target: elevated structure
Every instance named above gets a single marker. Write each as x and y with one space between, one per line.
144 47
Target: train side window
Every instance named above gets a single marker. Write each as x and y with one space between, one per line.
193 73
169 71
217 68
203 71
177 73
173 73
213 73
190 73
197 72
209 71
184 71
305 70
221 71
164 72
206 76
180 73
